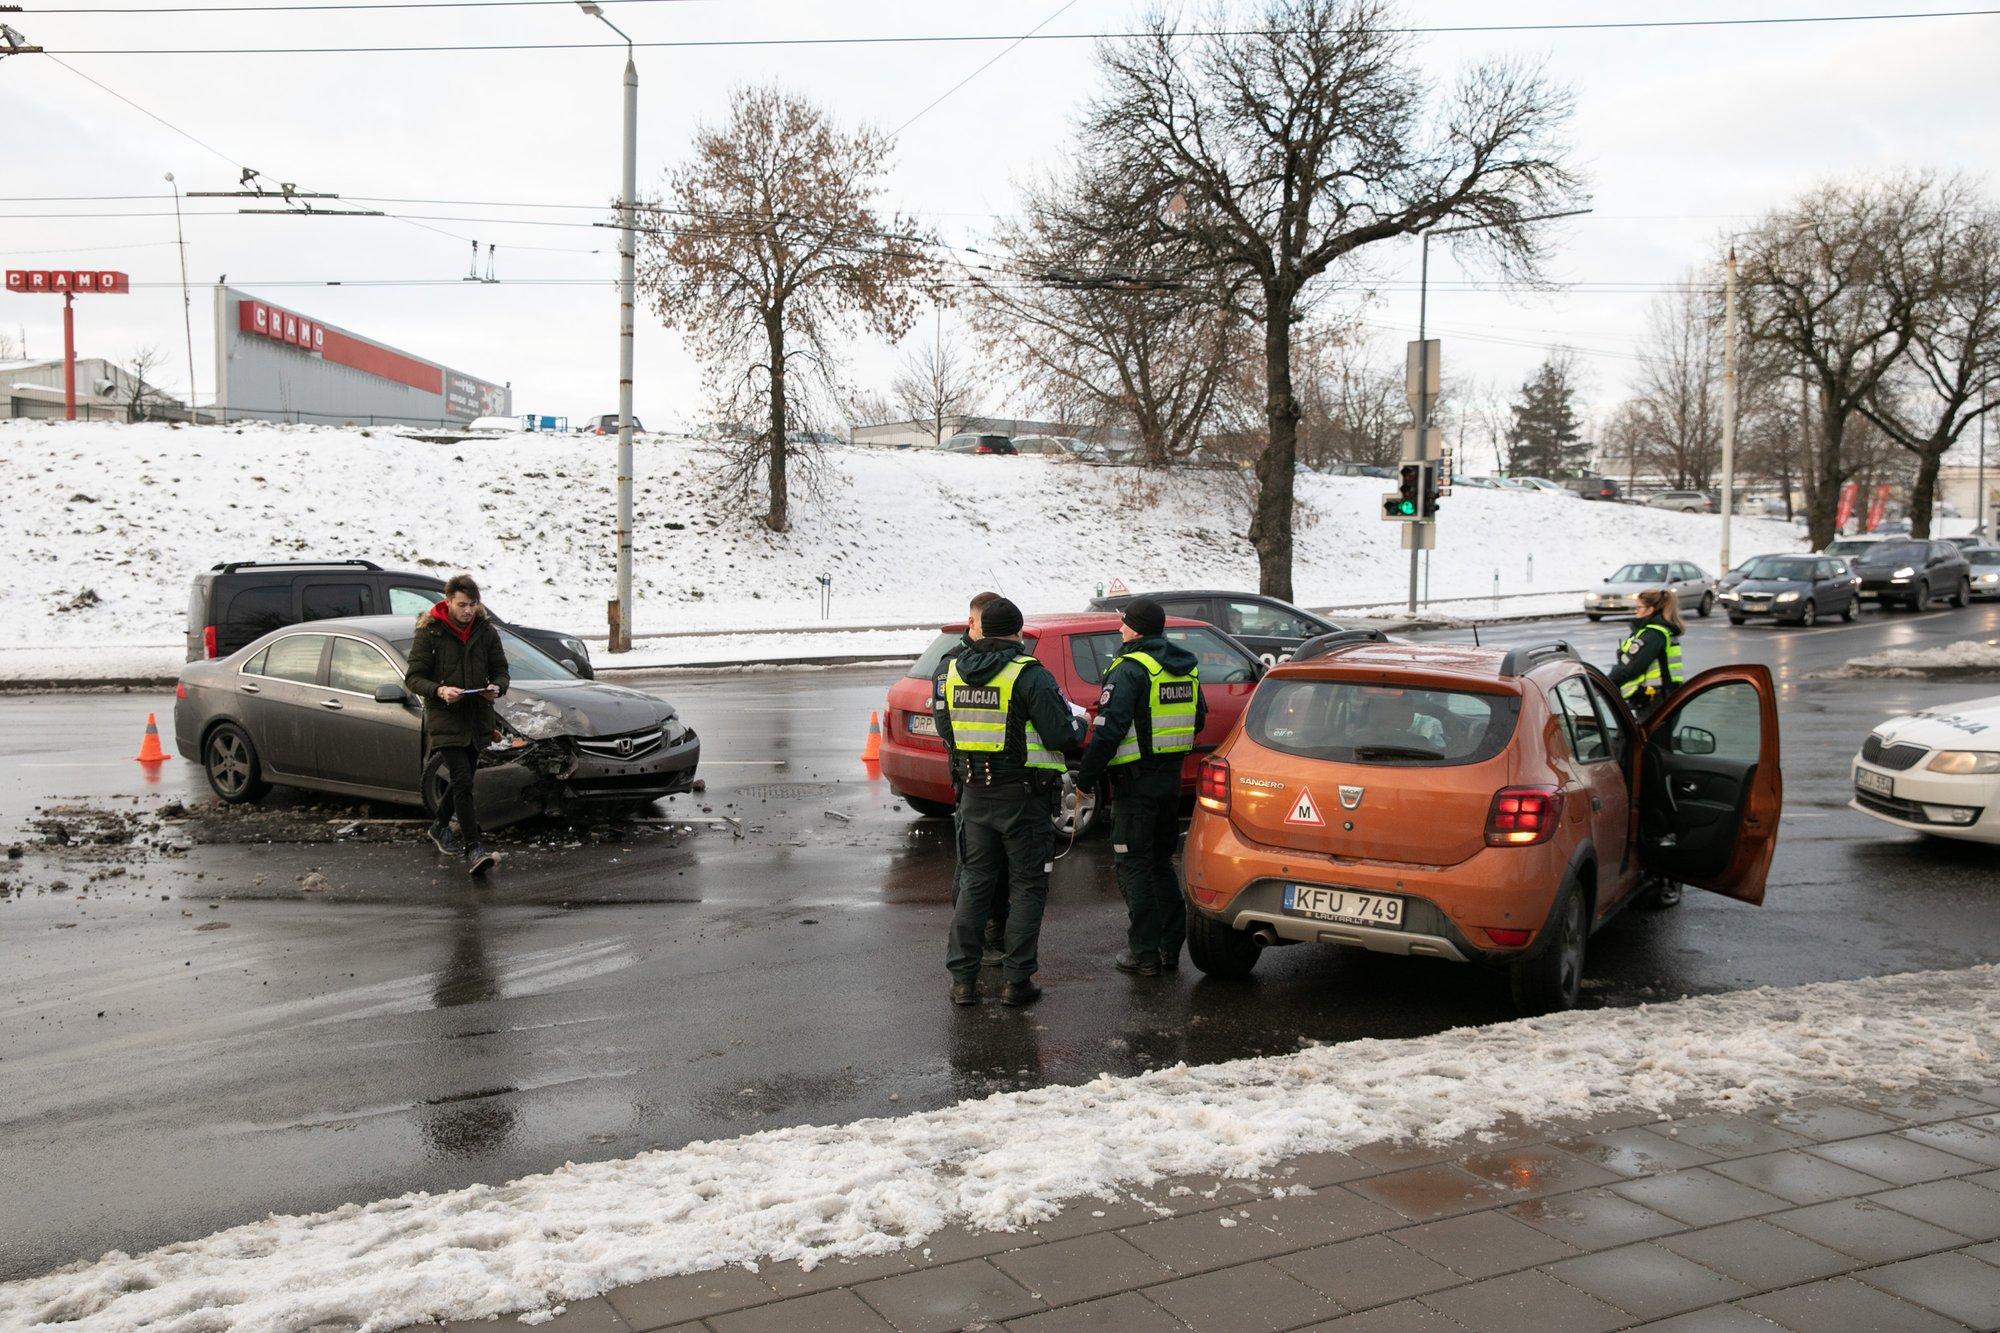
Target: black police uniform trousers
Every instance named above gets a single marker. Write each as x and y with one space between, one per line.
996 924
1006 849
1145 826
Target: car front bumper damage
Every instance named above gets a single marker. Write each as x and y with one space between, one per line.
569 775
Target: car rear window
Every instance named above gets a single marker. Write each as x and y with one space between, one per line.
1899 552
926 667
1222 663
1353 722
258 611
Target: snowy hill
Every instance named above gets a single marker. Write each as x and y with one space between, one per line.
108 523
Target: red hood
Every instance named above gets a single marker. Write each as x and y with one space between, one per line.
442 614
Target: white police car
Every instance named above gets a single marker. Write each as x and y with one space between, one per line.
1935 772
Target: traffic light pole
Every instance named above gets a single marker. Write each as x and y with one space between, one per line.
1423 400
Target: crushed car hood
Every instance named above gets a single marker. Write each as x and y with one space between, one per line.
547 709
1972 725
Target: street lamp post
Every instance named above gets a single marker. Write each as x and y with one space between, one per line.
187 308
621 616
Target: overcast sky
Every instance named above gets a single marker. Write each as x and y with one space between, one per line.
1684 134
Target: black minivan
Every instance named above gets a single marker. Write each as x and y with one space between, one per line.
234 603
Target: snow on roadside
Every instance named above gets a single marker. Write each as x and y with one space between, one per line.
108 523
1010 1160
1967 657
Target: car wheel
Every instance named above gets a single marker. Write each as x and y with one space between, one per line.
1963 597
1220 950
1808 614
1922 601
1550 978
234 772
1736 620
1088 813
1592 618
1850 611
930 809
1707 605
432 784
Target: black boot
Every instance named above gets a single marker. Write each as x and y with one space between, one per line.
1018 993
964 992
1138 964
478 860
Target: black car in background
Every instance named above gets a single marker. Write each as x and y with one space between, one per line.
234 603
1793 589
1271 629
1908 571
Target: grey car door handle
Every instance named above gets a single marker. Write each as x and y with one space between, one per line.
331 703
250 689
1596 804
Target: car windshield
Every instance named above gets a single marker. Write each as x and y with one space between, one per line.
1781 567
1350 722
1900 553
1222 662
524 660
1984 555
1849 547
1640 574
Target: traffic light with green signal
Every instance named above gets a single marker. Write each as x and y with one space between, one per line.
1406 504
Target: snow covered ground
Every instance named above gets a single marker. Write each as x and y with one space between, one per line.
129 514
1967 657
1011 1160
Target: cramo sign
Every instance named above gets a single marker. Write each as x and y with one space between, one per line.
67 280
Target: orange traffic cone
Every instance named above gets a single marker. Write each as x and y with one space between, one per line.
872 750
149 748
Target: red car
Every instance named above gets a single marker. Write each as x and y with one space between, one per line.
1076 648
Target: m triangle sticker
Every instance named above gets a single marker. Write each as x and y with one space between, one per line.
1305 810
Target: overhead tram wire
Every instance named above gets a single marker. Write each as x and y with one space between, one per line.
935 39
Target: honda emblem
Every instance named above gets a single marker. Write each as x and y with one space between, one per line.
624 745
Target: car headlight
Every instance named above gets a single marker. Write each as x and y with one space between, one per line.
1729 596
1989 578
1906 572
1965 761
1788 597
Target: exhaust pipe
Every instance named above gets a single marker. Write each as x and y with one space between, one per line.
1264 936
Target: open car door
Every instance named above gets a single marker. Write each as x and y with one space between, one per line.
1709 784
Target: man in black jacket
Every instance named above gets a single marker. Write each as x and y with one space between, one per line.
1007 725
458 667
1148 716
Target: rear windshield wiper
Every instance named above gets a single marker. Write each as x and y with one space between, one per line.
1393 752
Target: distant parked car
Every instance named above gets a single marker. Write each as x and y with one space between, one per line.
1054 446
607 424
234 603
1360 470
1476 483
1910 573
1687 502
1794 589
1619 594
1544 485
1985 562
1595 488
1266 626
979 444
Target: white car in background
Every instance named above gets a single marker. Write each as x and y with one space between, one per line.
1935 772
1619 594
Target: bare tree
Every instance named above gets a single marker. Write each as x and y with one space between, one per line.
1834 283
1079 322
1951 369
140 393
1270 150
769 250
1673 424
936 380
10 350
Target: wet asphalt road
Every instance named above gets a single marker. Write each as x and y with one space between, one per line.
403 1029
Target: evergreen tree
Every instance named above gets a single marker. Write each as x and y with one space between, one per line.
1544 440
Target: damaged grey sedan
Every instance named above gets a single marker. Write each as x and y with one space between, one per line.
322 706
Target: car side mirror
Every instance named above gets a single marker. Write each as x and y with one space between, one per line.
390 693
1694 740
571 667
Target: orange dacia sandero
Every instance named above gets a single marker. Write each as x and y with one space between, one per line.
1472 804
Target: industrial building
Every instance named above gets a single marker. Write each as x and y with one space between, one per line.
105 391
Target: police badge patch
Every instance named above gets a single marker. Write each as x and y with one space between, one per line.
1104 698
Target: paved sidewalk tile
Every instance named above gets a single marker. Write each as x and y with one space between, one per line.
595 1315
1082 1268
789 1279
1428 1192
1408 1317
1325 1168
674 1300
1126 1313
1699 1197
1957 1205
1821 1120
1957 1286
1594 1219
1635 1152
936 1300
1843 1305
1648 1281
1867 1230
1799 1177
1715 1319
1532 1302
1317 1219
1483 1244
821 1312
1253 1298
1760 1254
1729 1135
1537 1169
1371 1271
1893 1158
1399 1154
1918 1107
1201 1241
1973 1141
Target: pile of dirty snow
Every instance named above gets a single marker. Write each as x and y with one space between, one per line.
1966 658
108 523
1011 1160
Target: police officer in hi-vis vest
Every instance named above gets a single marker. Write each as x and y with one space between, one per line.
1147 718
996 925
1007 726
1649 659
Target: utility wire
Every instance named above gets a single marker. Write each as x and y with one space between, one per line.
199 143
934 39
998 56
336 6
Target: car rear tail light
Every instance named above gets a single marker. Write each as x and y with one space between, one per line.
1523 816
180 690
1211 784
208 642
1507 939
